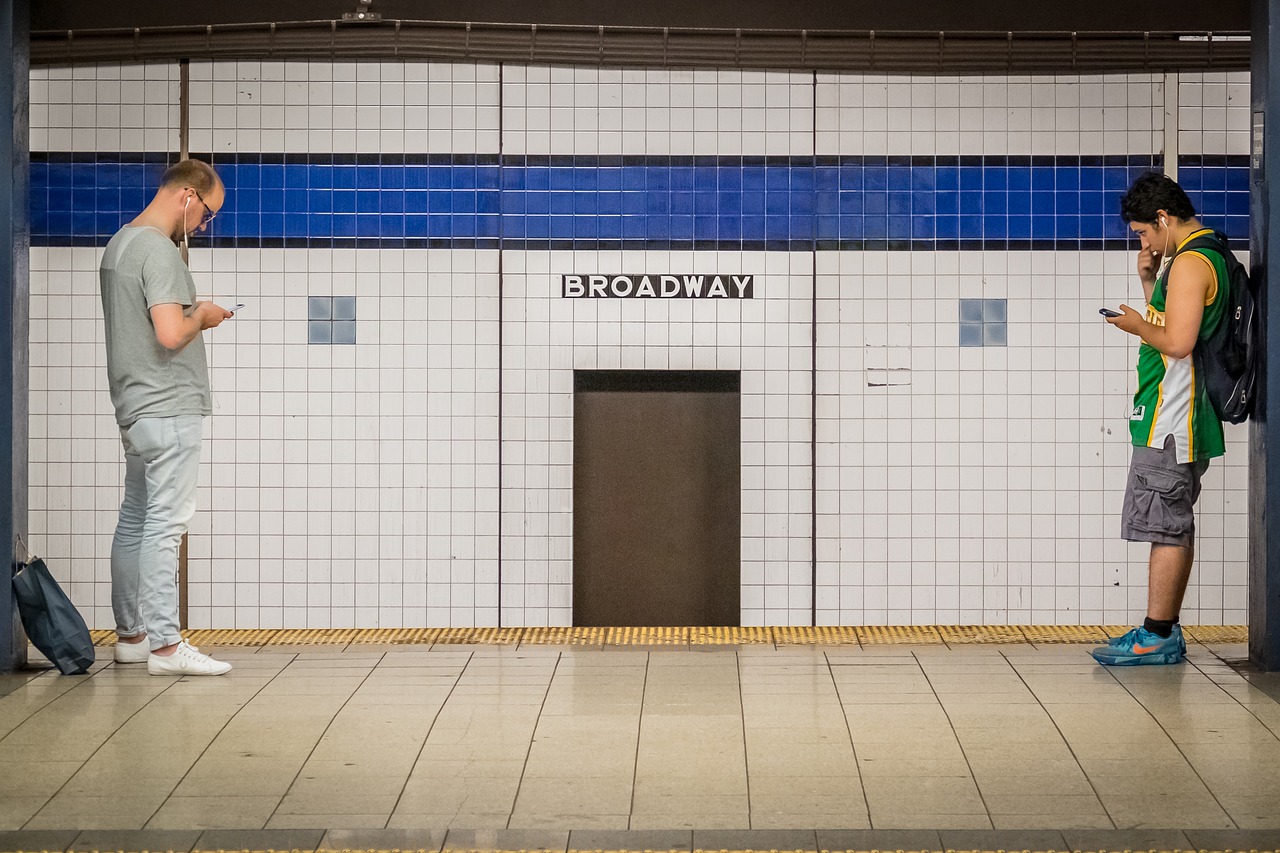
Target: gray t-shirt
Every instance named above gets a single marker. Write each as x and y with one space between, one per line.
141 268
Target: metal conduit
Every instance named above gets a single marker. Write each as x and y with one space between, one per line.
826 50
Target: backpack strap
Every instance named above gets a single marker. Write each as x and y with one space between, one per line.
1214 241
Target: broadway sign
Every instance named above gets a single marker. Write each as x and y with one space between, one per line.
657 286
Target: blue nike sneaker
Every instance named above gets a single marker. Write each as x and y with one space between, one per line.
1141 647
1126 639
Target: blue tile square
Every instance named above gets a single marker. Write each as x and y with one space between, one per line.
344 331
463 201
971 334
753 203
608 204
634 204
562 203
299 224
851 178
537 227
610 178
922 228
633 178
392 177
296 177
970 310
682 227
270 200
562 228
319 307
344 201
899 228
993 310
609 227
753 228
777 179
344 226
994 334
344 178
319 332
275 176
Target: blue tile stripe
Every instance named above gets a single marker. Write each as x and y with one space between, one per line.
590 203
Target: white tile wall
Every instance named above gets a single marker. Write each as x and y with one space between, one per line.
105 108
985 486
949 116
344 107
1213 112
360 485
656 112
545 338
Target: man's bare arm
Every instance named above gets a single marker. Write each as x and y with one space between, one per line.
174 330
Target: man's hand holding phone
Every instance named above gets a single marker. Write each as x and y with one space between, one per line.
1126 319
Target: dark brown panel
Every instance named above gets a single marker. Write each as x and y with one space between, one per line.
656 508
863 50
1080 16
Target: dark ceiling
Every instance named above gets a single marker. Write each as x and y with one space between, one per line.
925 15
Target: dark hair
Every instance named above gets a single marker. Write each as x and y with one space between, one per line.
1151 192
196 174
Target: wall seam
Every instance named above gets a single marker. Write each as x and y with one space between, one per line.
501 347
813 384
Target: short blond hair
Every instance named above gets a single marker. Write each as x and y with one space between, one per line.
196 174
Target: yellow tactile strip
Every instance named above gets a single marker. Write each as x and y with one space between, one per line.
664 850
860 635
700 850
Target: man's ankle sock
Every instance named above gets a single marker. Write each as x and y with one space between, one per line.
1159 627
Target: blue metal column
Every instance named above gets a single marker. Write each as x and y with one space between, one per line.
14 288
1264 257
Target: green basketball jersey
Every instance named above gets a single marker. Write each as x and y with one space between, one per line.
1171 398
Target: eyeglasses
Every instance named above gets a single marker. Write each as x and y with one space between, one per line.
208 212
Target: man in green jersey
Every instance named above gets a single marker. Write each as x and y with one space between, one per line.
1174 427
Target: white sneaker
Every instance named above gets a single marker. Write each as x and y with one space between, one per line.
185 660
132 652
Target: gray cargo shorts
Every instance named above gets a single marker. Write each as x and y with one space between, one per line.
1159 497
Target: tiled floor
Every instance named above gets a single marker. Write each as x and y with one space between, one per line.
556 739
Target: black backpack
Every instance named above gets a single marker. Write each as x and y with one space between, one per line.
1228 359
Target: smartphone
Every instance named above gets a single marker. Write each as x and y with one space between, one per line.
1107 312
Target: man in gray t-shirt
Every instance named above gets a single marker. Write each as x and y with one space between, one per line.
159 383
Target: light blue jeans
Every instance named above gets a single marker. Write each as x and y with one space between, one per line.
162 462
